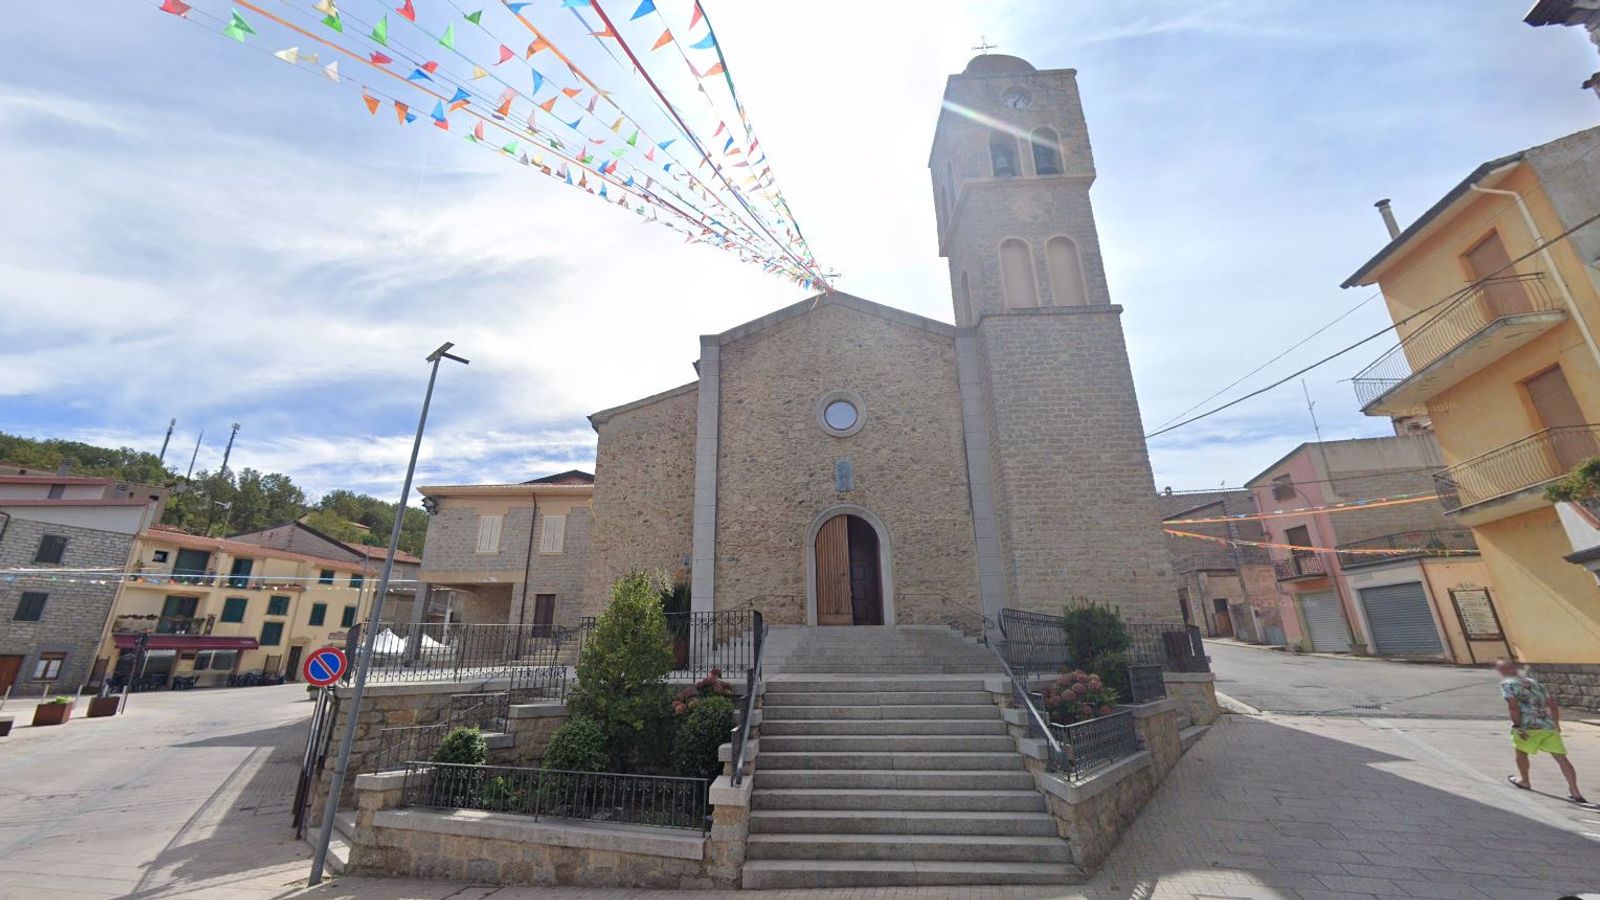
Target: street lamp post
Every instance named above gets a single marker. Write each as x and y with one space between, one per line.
363 660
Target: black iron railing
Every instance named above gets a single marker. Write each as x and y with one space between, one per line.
1146 684
529 685
752 682
1094 744
702 641
437 651
1307 565
661 801
1528 463
1033 643
1464 317
1407 545
1174 647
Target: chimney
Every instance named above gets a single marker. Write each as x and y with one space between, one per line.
1388 218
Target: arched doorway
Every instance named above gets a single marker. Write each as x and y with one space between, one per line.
848 571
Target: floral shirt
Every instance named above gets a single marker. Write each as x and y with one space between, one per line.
1531 698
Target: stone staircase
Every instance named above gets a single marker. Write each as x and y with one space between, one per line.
884 762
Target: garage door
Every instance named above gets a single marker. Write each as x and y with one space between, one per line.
1325 622
1402 623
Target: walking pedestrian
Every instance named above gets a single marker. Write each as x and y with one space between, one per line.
1535 726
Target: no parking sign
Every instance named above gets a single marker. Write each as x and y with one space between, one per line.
325 666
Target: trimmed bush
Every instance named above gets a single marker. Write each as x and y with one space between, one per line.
463 746
1077 696
1092 630
577 746
705 729
622 673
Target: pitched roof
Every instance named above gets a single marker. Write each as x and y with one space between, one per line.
53 479
62 501
162 535
370 552
835 298
570 476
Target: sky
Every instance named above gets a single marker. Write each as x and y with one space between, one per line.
195 230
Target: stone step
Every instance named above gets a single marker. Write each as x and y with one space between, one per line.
891 779
886 760
880 698
892 651
771 728
869 670
929 847
1191 735
894 743
772 873
783 712
791 684
1028 801
850 821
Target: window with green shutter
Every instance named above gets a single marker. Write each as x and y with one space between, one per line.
278 606
319 612
233 609
356 580
271 634
349 617
326 577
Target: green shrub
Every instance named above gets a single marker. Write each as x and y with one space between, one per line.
1092 630
577 746
463 746
705 729
621 675
1112 668
458 787
1582 483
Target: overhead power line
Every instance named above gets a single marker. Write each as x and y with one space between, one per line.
1377 334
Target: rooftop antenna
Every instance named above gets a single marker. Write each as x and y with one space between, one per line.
229 451
162 459
984 46
1312 409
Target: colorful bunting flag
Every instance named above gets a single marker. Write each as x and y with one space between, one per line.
176 7
616 127
400 112
721 127
539 43
331 71
705 43
371 101
698 15
479 71
607 33
418 75
592 101
380 31
538 81
511 150
290 56
571 4
475 18
549 105
516 8
716 69
477 130
378 59
665 39
430 67
326 7
645 8
572 92
634 140
407 10
438 115
238 27
332 21
449 39
666 143
575 123
505 53
602 190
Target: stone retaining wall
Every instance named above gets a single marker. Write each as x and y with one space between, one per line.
1196 693
1572 684
509 849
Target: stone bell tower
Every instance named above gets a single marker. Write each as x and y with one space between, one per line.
1063 498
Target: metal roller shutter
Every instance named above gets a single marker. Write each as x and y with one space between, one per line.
1325 622
1402 624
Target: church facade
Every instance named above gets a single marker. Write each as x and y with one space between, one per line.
842 462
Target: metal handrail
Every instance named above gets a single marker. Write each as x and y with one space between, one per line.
1479 306
1040 725
1517 466
662 801
741 732
1299 565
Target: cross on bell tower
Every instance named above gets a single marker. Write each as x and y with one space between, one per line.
983 44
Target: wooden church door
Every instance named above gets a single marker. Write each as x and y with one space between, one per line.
849 584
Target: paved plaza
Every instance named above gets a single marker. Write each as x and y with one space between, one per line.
187 796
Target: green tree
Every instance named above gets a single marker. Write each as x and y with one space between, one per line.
339 511
622 673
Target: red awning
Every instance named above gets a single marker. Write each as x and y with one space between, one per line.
189 642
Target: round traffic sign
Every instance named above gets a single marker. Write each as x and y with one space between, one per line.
325 666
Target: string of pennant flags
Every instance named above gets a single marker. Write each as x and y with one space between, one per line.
119 576
463 67
1347 506
1363 551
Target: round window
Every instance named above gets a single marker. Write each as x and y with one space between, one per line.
840 415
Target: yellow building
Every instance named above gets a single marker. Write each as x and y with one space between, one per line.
1497 308
217 608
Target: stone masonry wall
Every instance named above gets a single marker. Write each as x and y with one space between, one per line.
74 612
1073 493
452 542
561 573
1572 684
643 494
776 466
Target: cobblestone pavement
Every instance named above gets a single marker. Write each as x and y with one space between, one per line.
187 796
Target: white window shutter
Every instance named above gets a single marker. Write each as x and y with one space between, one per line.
489 533
554 535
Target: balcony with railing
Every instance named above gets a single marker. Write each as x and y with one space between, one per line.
1482 325
1407 545
1300 565
1510 480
